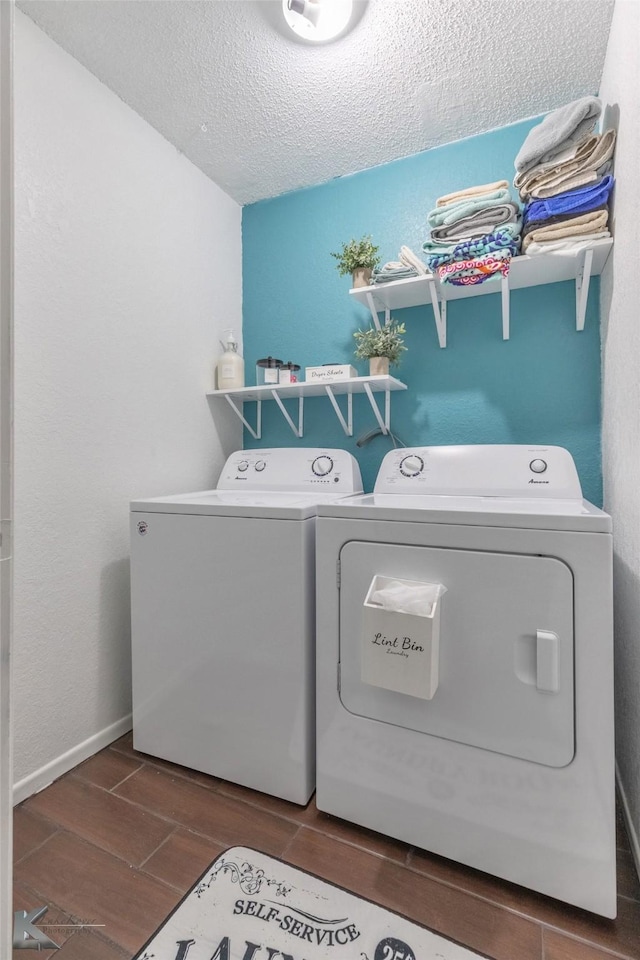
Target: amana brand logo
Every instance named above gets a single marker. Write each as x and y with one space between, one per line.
538 481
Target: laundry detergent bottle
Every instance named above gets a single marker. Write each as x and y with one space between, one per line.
230 367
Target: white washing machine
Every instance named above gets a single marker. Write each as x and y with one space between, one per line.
223 619
480 725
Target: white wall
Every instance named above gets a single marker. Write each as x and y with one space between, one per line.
6 471
620 292
128 268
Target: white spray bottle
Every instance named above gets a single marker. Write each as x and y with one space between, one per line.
230 365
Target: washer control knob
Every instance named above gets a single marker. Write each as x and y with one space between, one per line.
260 465
243 466
538 466
411 466
321 466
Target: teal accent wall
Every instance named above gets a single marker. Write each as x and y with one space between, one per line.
542 386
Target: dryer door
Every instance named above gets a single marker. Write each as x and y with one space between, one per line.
506 678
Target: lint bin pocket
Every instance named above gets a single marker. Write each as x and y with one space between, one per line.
401 635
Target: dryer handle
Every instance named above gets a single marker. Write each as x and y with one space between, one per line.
547 661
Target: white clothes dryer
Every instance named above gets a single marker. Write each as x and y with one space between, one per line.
480 725
223 619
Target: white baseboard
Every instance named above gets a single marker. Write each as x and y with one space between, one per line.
634 840
67 761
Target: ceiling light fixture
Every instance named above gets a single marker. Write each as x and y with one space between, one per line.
318 20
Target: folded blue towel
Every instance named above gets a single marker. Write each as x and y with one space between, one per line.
582 200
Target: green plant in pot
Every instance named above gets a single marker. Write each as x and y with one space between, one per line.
359 258
382 348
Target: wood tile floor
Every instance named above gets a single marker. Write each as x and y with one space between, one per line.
119 839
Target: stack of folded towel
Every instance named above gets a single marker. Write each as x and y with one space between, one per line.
407 265
474 234
563 176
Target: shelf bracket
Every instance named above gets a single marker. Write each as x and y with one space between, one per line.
383 424
374 312
257 433
504 283
582 288
347 425
298 431
439 314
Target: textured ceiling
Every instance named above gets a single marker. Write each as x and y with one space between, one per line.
261 114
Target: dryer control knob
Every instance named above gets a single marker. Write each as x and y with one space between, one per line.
321 466
242 466
411 466
260 465
538 466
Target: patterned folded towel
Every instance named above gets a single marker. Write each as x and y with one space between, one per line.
558 130
459 209
591 159
502 239
582 200
477 225
472 192
465 273
585 224
566 246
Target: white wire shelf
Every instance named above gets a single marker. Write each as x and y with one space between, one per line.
524 271
299 391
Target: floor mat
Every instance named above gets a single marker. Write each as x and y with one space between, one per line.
248 906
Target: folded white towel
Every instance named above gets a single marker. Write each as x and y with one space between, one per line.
583 225
563 156
567 246
408 257
590 161
472 192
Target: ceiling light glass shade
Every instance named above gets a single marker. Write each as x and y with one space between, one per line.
317 20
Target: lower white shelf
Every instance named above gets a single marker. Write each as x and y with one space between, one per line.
524 271
298 391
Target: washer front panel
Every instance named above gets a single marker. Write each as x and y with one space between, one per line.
223 648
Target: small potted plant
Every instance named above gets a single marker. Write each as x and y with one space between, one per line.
359 258
381 348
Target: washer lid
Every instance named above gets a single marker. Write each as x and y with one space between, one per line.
231 503
543 514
